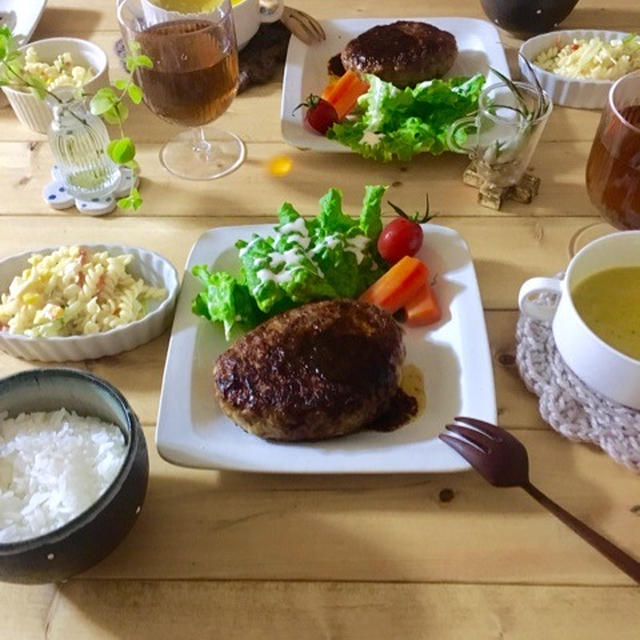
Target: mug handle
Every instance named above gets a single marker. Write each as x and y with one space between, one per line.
530 302
271 11
463 123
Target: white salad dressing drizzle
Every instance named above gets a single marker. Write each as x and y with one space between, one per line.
355 245
297 234
251 244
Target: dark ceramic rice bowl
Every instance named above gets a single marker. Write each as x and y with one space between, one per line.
92 535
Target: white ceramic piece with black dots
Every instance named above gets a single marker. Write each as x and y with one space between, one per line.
55 194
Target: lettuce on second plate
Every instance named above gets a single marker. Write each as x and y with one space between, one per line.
330 256
399 123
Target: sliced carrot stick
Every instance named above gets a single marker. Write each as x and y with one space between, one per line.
344 93
398 285
328 90
423 308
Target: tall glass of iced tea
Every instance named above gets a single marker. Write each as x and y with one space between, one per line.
613 168
193 81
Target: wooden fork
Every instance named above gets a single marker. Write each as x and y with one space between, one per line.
502 460
302 25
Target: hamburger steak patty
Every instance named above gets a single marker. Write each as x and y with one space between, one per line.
403 53
322 370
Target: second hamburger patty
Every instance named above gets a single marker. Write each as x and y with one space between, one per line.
403 53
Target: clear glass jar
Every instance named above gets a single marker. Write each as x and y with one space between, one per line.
79 141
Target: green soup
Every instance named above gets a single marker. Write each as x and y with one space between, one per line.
609 304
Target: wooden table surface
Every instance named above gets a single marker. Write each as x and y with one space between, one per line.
235 555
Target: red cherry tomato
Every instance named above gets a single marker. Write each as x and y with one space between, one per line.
320 115
401 237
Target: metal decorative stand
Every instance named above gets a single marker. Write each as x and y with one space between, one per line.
55 194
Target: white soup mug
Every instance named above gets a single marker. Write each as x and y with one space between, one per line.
248 15
606 370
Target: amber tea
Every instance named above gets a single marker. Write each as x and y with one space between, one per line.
613 168
194 77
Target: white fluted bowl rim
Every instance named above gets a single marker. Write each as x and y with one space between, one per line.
156 271
580 93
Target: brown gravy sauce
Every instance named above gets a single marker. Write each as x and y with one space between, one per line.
408 403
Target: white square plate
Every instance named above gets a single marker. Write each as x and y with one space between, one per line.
305 69
453 357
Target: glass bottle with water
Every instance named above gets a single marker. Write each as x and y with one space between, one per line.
79 141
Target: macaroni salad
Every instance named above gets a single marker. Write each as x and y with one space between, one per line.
62 73
592 58
74 292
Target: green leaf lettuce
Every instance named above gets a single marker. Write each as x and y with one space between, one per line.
400 123
329 256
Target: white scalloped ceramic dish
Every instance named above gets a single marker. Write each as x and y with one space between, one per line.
568 92
153 268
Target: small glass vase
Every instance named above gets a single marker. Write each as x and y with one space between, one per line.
501 137
79 141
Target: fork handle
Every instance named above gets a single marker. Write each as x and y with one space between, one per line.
622 560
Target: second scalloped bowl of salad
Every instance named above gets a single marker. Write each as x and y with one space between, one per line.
577 67
84 302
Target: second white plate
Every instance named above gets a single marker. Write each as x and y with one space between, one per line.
453 357
305 69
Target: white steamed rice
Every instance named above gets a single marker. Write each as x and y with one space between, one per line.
53 466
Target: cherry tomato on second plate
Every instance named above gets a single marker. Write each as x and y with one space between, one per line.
320 115
403 236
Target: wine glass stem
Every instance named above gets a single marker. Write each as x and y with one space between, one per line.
200 144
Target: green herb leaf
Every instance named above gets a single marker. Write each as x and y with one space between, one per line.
117 114
136 200
135 62
121 84
103 101
135 93
122 110
121 150
111 117
144 61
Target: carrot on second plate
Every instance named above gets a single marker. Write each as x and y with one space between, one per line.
396 287
423 308
344 93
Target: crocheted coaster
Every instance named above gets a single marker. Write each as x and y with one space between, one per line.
568 404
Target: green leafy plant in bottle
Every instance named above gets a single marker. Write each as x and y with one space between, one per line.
109 103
